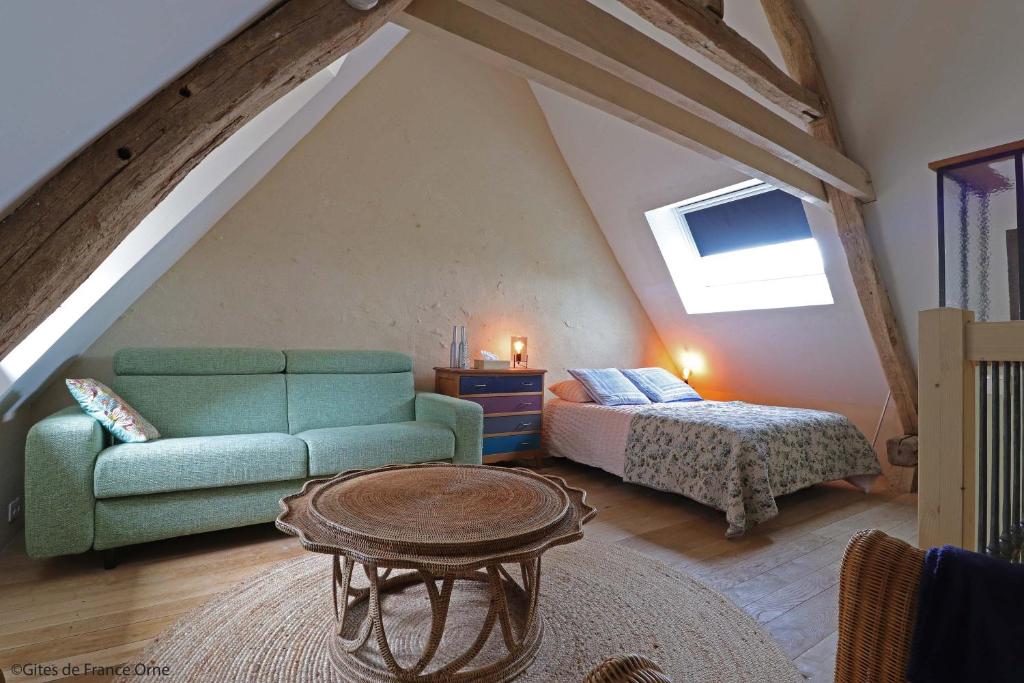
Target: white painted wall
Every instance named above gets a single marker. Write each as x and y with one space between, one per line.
915 81
819 357
71 69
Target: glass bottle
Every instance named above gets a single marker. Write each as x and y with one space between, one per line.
463 348
453 353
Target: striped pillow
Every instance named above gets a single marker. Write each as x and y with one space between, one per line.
609 387
661 386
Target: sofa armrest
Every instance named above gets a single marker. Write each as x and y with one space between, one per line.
60 454
465 418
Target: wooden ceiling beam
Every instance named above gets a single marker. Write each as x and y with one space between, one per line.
58 236
498 43
798 51
702 30
594 36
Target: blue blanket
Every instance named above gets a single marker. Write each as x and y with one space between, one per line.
970 619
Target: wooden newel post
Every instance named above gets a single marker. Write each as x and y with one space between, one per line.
946 463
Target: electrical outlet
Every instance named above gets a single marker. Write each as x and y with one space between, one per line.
14 509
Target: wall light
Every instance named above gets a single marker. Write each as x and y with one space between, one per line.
693 362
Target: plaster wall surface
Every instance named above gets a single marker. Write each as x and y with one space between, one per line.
432 195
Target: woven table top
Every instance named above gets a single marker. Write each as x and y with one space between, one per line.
435 514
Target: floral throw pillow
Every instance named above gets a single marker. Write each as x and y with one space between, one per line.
112 411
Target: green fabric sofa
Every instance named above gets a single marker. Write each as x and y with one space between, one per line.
240 429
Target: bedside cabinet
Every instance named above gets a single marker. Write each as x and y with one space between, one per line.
512 402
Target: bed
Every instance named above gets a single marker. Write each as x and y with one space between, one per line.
733 456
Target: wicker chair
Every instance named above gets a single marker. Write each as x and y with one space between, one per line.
877 608
627 669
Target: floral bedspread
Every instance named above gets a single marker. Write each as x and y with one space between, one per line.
736 457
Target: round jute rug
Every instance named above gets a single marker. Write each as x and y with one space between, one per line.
598 600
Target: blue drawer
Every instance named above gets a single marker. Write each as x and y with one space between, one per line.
511 444
510 403
500 384
511 423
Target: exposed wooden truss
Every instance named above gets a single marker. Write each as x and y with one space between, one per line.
704 31
493 40
798 52
715 6
58 236
596 37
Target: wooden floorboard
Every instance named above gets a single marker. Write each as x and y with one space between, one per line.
785 573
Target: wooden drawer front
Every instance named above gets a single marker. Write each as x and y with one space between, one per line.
500 384
511 444
511 423
508 404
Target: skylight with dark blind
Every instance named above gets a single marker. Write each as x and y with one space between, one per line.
744 247
773 217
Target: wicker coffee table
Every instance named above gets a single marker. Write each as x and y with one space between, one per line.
420 588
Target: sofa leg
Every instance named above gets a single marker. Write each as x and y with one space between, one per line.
110 559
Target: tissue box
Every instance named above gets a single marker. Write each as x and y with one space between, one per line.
484 364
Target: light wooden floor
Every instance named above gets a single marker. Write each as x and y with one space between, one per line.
784 572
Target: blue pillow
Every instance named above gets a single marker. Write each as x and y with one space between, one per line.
661 386
609 387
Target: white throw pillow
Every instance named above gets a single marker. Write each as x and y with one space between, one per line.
571 390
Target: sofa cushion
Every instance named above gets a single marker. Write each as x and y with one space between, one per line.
211 405
198 361
337 449
318 401
134 469
139 519
324 361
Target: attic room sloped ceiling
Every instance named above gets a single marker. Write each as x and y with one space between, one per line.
433 194
897 112
814 356
896 109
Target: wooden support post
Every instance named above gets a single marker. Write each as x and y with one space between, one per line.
58 236
946 477
798 51
703 30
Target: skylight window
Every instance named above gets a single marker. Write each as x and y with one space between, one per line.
744 247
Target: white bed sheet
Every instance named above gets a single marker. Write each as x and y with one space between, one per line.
589 433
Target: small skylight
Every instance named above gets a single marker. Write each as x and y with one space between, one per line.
744 247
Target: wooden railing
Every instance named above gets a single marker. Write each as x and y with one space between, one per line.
971 460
